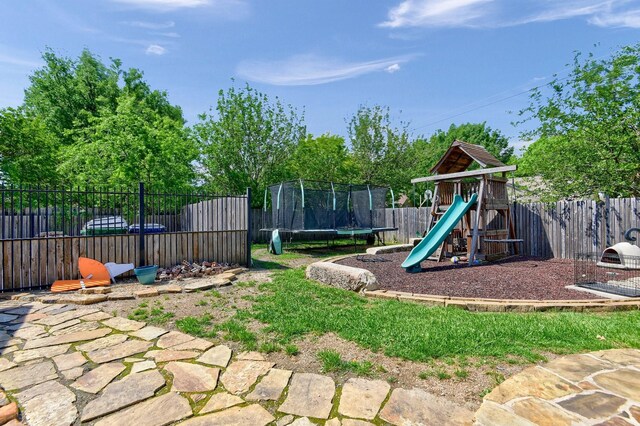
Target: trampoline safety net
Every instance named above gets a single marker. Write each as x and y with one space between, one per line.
323 206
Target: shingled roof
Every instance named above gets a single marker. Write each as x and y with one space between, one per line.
461 155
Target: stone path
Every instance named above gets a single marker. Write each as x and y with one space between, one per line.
71 365
598 388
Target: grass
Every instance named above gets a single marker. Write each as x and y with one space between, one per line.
291 350
234 330
293 306
332 362
156 315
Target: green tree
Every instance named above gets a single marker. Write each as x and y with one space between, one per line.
247 141
381 153
66 94
588 138
28 153
134 144
324 158
431 150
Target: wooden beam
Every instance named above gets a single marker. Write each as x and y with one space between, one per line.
474 240
471 173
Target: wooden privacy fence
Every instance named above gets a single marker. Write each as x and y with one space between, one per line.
563 229
195 227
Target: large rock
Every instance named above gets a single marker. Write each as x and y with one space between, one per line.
48 403
310 395
123 393
342 276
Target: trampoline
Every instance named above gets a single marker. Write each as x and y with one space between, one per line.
327 208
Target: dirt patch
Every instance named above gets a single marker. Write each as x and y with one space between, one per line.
521 278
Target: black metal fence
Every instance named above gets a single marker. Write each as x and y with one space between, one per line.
43 231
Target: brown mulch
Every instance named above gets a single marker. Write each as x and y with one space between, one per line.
521 278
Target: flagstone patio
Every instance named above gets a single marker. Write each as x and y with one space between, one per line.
66 364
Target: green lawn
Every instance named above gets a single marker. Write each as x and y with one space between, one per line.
293 306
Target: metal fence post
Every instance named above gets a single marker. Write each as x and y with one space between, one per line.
142 251
249 226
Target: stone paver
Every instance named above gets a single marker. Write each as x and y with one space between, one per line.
416 406
93 381
576 367
48 352
68 361
253 415
534 381
98 316
48 403
5 364
173 338
355 422
103 342
543 412
198 286
166 355
593 406
169 288
362 398
64 325
72 373
251 356
121 350
624 382
220 401
123 393
168 408
149 332
83 326
219 356
67 338
123 324
491 414
142 366
195 344
28 375
241 375
192 377
271 386
309 395
302 421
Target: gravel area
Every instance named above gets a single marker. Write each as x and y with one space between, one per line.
521 278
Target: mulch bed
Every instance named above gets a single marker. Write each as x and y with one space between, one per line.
521 278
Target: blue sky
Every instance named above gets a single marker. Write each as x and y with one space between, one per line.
433 62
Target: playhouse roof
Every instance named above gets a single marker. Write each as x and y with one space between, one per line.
461 155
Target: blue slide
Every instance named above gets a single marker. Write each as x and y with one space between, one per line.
438 233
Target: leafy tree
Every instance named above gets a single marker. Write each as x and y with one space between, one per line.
431 150
248 141
136 143
588 140
324 158
67 93
27 149
381 153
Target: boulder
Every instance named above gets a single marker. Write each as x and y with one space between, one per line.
342 276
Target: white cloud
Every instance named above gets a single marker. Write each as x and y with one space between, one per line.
306 70
164 4
505 13
630 19
151 25
436 13
155 49
17 61
392 68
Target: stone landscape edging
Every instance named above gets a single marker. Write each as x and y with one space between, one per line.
491 305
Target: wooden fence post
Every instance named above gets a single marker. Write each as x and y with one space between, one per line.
249 224
142 251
